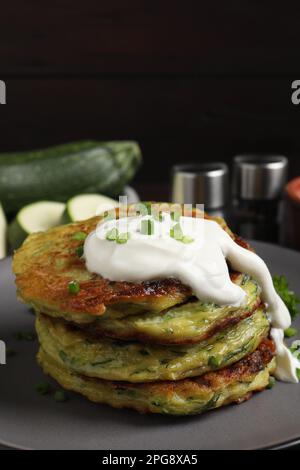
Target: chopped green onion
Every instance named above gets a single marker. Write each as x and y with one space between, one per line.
159 217
43 388
60 396
176 232
175 216
18 335
121 241
214 361
74 287
186 239
112 234
108 216
79 251
271 383
79 236
289 332
147 227
148 207
28 336
123 238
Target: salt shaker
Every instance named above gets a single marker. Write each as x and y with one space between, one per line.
203 183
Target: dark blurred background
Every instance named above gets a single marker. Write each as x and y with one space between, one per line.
189 83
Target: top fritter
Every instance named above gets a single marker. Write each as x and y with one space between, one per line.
47 262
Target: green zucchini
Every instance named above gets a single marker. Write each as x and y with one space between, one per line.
3 229
84 206
35 217
61 172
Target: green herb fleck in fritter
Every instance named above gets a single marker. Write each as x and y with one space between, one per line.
215 361
176 232
79 236
74 287
79 251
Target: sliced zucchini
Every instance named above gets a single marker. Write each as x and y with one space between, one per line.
35 217
84 206
3 230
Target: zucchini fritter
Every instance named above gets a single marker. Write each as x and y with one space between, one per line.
185 397
150 346
47 262
187 323
137 362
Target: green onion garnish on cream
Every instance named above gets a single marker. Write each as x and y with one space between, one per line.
112 235
147 227
176 232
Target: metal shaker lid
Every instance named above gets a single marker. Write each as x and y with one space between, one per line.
205 183
259 176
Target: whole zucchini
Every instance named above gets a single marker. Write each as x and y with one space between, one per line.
60 172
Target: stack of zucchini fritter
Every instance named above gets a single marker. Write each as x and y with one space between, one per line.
150 346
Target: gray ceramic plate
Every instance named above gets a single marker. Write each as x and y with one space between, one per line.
28 420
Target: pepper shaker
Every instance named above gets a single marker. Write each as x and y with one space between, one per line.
259 180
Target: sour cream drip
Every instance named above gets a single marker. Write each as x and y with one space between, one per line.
200 264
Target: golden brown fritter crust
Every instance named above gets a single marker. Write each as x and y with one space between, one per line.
137 362
96 331
233 384
47 262
247 366
240 370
